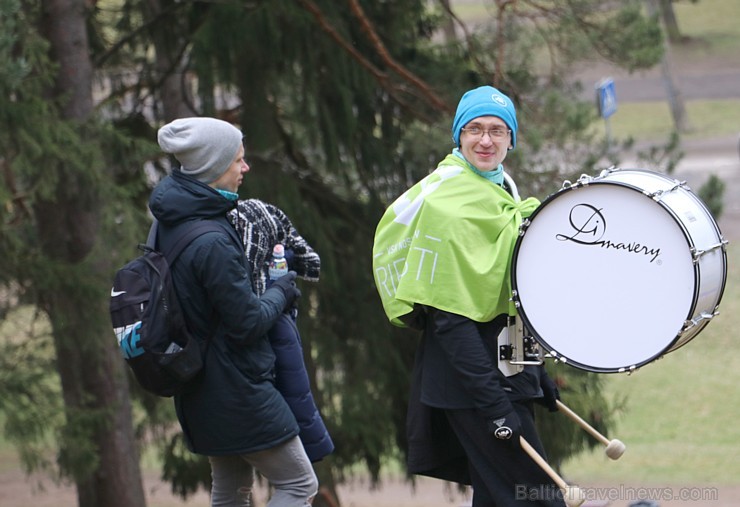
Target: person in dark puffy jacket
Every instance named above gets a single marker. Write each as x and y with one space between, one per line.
232 412
260 226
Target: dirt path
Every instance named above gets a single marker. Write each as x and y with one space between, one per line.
17 491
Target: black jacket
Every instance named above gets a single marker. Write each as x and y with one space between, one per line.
456 368
233 407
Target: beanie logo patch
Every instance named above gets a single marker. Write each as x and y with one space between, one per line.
498 99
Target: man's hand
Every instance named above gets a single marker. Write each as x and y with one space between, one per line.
507 428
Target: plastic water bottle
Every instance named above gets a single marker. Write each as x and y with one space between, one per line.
278 264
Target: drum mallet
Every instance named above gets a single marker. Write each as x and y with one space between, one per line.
572 495
614 448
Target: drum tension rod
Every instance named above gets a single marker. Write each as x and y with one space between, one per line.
695 321
583 181
659 193
698 253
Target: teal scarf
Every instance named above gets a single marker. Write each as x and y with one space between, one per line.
496 176
231 196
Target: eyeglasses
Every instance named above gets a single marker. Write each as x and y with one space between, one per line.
494 133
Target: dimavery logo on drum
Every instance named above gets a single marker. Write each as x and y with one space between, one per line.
588 225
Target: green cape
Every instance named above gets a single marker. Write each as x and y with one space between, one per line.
448 242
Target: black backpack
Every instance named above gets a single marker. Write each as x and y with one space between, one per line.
147 318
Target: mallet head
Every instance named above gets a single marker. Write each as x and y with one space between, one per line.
573 496
615 449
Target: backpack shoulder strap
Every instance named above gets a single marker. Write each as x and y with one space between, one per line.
193 231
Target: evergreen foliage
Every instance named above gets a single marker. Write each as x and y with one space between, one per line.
344 105
711 193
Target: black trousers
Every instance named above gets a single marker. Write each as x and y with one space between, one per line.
503 475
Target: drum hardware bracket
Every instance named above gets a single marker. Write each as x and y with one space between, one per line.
659 193
582 181
698 253
695 321
557 357
629 370
531 353
524 226
516 348
606 172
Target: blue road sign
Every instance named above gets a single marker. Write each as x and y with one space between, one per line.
606 98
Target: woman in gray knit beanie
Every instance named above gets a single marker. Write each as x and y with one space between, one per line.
206 148
232 412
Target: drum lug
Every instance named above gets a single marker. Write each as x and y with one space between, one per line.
606 172
697 320
523 226
583 180
659 193
557 357
698 253
628 371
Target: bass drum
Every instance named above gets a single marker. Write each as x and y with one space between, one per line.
614 271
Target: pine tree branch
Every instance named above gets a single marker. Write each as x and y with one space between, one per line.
133 34
466 34
381 76
18 201
367 27
314 9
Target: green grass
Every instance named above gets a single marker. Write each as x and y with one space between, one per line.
680 421
471 11
712 33
707 24
651 121
714 24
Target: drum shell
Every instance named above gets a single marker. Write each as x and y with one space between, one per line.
605 308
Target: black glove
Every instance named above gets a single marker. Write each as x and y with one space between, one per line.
286 283
507 428
550 391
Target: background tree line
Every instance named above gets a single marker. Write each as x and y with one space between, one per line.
343 104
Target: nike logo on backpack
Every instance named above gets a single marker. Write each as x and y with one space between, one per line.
114 292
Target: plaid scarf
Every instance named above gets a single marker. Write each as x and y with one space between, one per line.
261 226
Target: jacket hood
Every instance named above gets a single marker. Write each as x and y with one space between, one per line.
179 197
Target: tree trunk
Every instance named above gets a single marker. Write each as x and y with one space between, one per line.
675 97
96 402
99 448
670 22
448 26
175 98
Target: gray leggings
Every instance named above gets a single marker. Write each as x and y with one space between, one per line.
286 466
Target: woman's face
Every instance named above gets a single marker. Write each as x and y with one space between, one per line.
232 178
484 142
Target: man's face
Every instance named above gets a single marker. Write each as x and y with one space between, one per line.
484 142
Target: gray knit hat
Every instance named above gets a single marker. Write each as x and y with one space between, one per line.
205 147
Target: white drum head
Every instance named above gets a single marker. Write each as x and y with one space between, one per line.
604 277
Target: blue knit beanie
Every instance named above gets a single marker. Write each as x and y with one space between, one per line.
484 101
